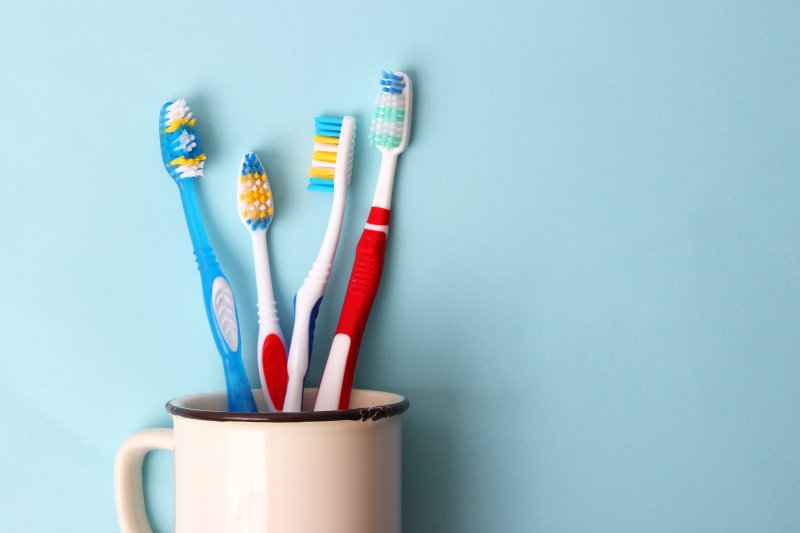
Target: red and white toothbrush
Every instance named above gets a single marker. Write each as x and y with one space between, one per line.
389 132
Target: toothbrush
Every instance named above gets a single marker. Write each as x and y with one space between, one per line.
331 168
389 132
184 161
256 209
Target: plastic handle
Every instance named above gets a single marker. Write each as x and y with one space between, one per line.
219 304
358 299
128 489
224 323
306 303
271 344
222 317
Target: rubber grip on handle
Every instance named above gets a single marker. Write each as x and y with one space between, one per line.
361 290
223 319
312 324
273 360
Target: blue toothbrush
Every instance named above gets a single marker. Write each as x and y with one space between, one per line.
184 159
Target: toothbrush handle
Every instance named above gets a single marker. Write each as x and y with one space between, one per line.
306 308
219 304
224 322
337 380
271 345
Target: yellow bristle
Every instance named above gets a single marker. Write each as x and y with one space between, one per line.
174 125
319 172
182 161
322 139
328 157
179 122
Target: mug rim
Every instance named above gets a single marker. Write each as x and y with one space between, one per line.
362 414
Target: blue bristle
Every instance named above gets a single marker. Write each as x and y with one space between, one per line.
251 164
389 75
174 145
328 126
170 142
320 184
259 224
392 83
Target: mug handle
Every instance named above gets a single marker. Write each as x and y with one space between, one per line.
128 477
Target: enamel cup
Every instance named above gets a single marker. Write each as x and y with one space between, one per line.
309 472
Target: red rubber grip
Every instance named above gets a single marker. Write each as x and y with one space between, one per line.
378 216
276 376
358 299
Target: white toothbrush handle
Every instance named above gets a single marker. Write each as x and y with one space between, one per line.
271 344
306 305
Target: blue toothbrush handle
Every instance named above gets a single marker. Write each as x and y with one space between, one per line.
224 322
220 307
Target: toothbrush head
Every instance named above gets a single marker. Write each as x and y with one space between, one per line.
391 123
332 161
255 197
180 146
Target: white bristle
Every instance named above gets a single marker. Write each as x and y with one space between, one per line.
319 147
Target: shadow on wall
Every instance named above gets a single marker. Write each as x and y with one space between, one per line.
432 460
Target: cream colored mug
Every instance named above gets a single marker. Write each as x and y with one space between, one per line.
309 472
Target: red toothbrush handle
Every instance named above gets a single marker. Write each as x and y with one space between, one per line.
337 380
358 299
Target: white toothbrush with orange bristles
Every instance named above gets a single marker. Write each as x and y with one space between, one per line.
256 209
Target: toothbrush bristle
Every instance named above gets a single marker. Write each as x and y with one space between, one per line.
326 148
388 122
255 196
180 146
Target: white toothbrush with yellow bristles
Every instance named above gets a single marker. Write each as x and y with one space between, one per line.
331 168
256 209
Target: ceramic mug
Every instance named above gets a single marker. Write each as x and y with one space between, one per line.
309 472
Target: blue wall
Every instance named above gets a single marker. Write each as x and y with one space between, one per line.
591 296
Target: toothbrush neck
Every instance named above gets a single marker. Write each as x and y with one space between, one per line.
383 189
266 296
192 213
334 229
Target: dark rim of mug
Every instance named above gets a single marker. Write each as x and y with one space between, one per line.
362 414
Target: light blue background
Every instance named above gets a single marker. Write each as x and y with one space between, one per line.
591 296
